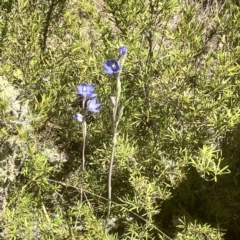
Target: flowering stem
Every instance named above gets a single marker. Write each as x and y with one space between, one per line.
115 108
84 133
116 118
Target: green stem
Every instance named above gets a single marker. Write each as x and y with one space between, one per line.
115 108
114 143
84 133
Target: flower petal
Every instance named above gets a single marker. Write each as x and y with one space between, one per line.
122 50
111 66
85 90
92 105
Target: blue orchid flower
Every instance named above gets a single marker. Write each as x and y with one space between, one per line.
111 66
86 90
92 105
78 117
122 50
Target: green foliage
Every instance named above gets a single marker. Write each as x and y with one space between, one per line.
193 230
176 172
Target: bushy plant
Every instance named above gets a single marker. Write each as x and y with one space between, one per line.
159 159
